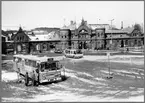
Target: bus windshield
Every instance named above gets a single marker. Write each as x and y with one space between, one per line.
78 52
48 66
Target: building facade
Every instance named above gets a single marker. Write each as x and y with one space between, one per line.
76 36
99 36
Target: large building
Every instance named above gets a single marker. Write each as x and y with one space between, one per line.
99 36
78 36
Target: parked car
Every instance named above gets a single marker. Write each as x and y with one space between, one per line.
73 53
58 50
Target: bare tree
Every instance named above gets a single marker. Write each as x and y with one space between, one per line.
137 27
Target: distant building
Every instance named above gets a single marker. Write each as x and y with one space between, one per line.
76 36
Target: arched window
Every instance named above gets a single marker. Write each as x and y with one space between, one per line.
44 46
135 42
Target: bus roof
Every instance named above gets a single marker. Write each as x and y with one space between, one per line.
33 57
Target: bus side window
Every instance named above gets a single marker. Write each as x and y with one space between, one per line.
19 60
74 52
29 62
26 62
34 63
42 67
58 65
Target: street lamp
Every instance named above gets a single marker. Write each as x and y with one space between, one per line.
108 54
111 31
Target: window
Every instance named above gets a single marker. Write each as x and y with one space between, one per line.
98 35
18 38
26 62
19 60
22 38
135 42
126 42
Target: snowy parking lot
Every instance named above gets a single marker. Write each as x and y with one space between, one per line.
86 81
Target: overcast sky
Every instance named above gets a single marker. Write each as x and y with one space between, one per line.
31 14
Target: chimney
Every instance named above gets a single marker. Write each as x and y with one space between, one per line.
121 24
71 22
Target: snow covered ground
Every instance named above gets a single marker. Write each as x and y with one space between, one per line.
117 58
81 86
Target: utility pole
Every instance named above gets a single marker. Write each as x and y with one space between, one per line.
109 66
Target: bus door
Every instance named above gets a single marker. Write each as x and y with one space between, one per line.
19 64
15 66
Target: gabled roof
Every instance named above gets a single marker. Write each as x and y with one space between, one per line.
20 31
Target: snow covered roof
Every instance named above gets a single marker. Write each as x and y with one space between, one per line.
40 32
94 26
45 37
115 31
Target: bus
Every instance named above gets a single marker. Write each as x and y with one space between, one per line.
73 53
37 69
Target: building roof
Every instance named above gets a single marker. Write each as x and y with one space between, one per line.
54 35
72 26
128 29
115 31
46 29
38 32
38 37
94 26
4 33
20 31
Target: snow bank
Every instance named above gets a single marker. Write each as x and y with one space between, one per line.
72 97
9 76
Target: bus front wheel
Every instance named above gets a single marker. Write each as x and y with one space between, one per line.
26 79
